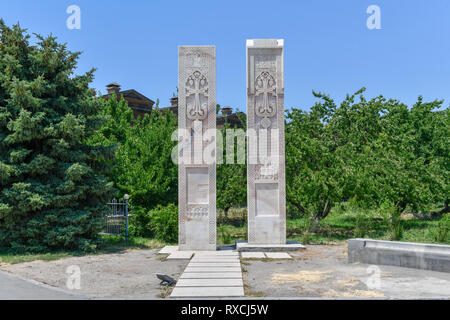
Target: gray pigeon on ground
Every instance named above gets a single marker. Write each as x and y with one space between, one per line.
165 280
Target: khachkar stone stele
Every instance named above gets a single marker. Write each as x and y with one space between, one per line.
266 149
196 163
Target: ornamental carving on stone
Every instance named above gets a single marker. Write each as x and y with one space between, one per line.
196 96
265 97
195 211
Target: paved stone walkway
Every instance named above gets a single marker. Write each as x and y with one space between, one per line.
211 274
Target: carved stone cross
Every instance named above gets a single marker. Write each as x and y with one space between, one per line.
265 85
266 179
196 85
197 176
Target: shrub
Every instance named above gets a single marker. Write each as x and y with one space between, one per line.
139 221
231 180
440 233
361 225
396 227
164 223
306 225
225 234
142 166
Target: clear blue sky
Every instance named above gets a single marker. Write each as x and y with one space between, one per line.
327 44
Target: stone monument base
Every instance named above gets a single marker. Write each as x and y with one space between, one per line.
244 246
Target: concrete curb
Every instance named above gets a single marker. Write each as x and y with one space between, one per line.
423 256
46 286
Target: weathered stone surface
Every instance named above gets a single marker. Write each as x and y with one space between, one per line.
254 255
214 260
247 247
216 253
278 255
403 254
202 278
214 264
207 292
266 149
184 255
168 249
212 269
216 282
196 173
211 275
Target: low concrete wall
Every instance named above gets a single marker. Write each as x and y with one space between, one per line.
402 254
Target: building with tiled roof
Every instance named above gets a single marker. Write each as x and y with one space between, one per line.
139 103
226 114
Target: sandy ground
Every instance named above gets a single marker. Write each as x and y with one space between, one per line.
320 271
323 271
129 275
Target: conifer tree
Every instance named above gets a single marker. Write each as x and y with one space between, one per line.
51 195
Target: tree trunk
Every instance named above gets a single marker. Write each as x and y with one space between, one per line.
299 207
446 209
225 212
315 227
325 210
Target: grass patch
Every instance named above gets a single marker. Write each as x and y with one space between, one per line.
254 294
165 292
116 243
342 224
10 258
228 234
250 293
111 244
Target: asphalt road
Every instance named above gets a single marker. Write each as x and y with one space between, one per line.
13 288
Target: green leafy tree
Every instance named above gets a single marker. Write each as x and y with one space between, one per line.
412 156
231 177
231 186
354 127
441 141
51 195
142 166
119 117
315 172
164 222
406 164
378 152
